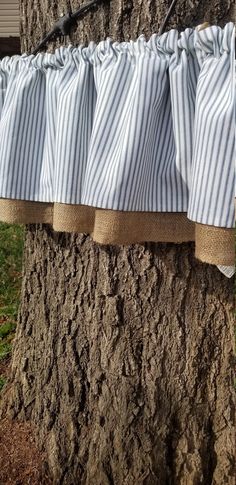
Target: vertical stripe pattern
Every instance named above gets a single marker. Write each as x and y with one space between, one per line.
132 126
213 173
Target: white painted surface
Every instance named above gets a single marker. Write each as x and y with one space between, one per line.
9 18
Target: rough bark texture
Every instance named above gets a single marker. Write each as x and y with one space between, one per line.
124 355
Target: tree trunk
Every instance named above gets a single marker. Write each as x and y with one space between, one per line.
124 356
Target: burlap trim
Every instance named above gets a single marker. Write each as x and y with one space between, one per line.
130 227
25 212
213 245
73 218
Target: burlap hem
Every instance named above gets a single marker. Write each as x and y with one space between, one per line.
213 245
25 212
120 227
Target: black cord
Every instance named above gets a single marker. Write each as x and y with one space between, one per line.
64 24
163 26
78 13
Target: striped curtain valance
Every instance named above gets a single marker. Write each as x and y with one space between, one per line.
139 126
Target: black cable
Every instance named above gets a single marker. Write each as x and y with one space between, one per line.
84 8
64 24
163 26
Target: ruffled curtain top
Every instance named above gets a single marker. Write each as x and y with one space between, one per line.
145 126
131 126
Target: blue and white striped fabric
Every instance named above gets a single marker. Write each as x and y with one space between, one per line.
131 126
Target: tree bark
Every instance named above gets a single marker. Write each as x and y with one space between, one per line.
124 357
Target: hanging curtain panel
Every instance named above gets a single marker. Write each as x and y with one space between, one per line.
130 141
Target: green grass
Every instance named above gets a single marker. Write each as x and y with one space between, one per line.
11 249
5 350
6 329
2 382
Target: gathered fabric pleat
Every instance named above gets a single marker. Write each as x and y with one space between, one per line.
213 172
139 126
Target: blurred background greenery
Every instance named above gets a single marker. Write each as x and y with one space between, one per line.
11 250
